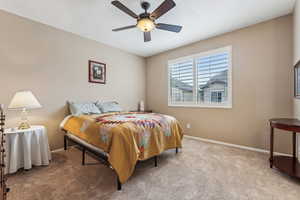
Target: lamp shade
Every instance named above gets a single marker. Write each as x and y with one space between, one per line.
24 99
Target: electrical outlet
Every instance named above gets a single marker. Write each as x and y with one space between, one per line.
188 125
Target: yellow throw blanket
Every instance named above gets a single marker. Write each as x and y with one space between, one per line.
127 137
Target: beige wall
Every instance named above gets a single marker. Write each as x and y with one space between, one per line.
54 65
297 57
262 85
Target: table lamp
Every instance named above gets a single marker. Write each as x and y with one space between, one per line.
24 100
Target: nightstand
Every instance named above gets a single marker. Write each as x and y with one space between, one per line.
26 148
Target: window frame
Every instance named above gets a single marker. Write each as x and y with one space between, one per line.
193 57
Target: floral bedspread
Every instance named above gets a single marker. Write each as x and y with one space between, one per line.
127 137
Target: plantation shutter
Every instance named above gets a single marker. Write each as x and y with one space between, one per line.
181 77
212 77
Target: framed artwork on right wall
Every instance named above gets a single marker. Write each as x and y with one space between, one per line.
297 80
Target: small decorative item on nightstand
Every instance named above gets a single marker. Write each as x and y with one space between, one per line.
24 100
141 107
28 147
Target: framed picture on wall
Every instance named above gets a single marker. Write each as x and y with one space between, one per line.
297 80
97 72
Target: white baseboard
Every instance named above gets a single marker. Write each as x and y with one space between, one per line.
216 142
57 150
62 149
234 145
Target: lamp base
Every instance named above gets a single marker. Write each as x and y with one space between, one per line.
24 125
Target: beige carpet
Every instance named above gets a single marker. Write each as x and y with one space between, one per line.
200 171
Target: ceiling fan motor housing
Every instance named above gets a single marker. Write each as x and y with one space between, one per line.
144 15
145 5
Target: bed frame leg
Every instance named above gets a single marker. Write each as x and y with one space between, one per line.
65 143
83 156
119 184
155 161
176 150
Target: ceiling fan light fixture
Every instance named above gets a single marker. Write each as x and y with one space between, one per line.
146 21
145 24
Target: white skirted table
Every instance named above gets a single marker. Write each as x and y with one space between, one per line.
26 148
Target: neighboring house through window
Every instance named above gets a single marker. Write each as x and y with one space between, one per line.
217 97
202 80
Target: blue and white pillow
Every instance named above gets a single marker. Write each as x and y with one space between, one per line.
83 108
109 106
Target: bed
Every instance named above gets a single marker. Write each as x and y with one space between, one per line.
121 139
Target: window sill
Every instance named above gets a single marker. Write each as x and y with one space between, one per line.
201 106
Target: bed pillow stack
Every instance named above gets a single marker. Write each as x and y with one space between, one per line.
109 106
83 108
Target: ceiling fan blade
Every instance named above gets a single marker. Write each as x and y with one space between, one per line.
124 28
122 7
169 27
163 8
147 36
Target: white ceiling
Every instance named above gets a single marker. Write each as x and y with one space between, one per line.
201 19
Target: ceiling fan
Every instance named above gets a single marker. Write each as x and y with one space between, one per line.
146 21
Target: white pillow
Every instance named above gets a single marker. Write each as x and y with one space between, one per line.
83 108
109 106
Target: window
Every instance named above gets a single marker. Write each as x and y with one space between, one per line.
202 80
182 81
216 97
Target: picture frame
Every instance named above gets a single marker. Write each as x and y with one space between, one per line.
97 72
297 80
